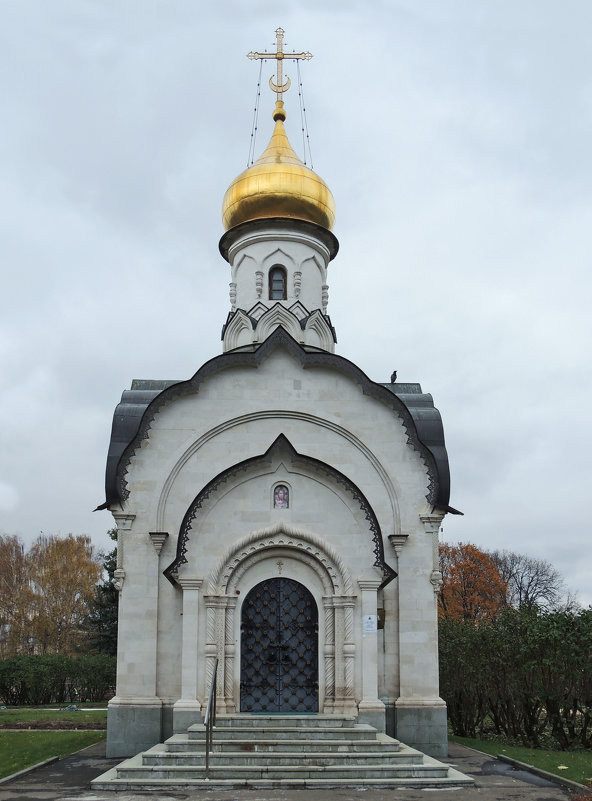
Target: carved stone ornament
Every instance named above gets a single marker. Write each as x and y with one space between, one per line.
118 578
436 580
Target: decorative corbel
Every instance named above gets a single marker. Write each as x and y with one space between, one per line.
158 540
397 541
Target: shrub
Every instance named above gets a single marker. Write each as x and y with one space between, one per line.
54 679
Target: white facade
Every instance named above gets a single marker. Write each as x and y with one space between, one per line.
192 481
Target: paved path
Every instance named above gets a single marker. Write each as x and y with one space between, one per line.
69 780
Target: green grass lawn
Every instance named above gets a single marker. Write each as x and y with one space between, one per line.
43 717
574 765
21 749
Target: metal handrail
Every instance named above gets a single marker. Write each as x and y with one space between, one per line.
210 717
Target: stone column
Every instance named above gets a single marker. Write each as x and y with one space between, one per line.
371 709
134 714
419 711
187 710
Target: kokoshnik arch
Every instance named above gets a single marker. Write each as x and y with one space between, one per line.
277 511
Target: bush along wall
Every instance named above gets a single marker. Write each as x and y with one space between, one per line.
526 675
54 679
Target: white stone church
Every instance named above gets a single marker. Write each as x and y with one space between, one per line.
278 510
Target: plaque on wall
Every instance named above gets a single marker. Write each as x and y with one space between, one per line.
370 624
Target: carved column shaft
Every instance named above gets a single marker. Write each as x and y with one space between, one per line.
211 648
339 652
215 646
329 653
229 655
349 647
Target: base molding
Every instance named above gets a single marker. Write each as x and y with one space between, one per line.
186 712
422 724
133 725
373 713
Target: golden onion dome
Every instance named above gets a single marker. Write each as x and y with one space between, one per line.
278 185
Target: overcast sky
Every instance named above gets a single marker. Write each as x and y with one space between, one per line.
456 139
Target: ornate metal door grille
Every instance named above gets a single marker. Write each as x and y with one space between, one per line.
279 648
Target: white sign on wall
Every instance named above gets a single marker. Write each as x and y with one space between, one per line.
370 624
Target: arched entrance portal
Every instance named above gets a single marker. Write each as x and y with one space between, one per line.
279 648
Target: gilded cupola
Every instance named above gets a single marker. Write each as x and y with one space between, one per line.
278 185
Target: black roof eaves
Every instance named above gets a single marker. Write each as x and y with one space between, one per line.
273 223
308 359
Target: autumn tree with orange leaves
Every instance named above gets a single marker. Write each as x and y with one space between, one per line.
472 586
44 594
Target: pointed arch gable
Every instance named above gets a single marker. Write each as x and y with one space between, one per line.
281 448
278 255
324 560
276 316
132 428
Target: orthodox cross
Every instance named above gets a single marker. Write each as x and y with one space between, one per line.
279 87
280 564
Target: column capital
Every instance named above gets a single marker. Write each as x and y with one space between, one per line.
432 522
123 520
369 584
219 601
190 583
343 601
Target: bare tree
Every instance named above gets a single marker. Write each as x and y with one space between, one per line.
531 581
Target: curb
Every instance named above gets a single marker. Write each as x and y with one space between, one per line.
544 774
24 772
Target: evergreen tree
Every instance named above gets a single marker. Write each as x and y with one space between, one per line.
101 622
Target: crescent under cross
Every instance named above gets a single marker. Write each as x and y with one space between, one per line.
278 86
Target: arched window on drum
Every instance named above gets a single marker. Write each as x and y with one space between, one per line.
278 283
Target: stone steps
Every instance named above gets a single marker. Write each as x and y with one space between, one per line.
180 743
310 721
179 773
297 751
157 756
361 732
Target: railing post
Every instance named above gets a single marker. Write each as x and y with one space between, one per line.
210 717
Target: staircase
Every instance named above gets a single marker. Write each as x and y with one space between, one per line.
295 751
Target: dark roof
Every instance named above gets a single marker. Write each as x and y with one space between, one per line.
139 405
